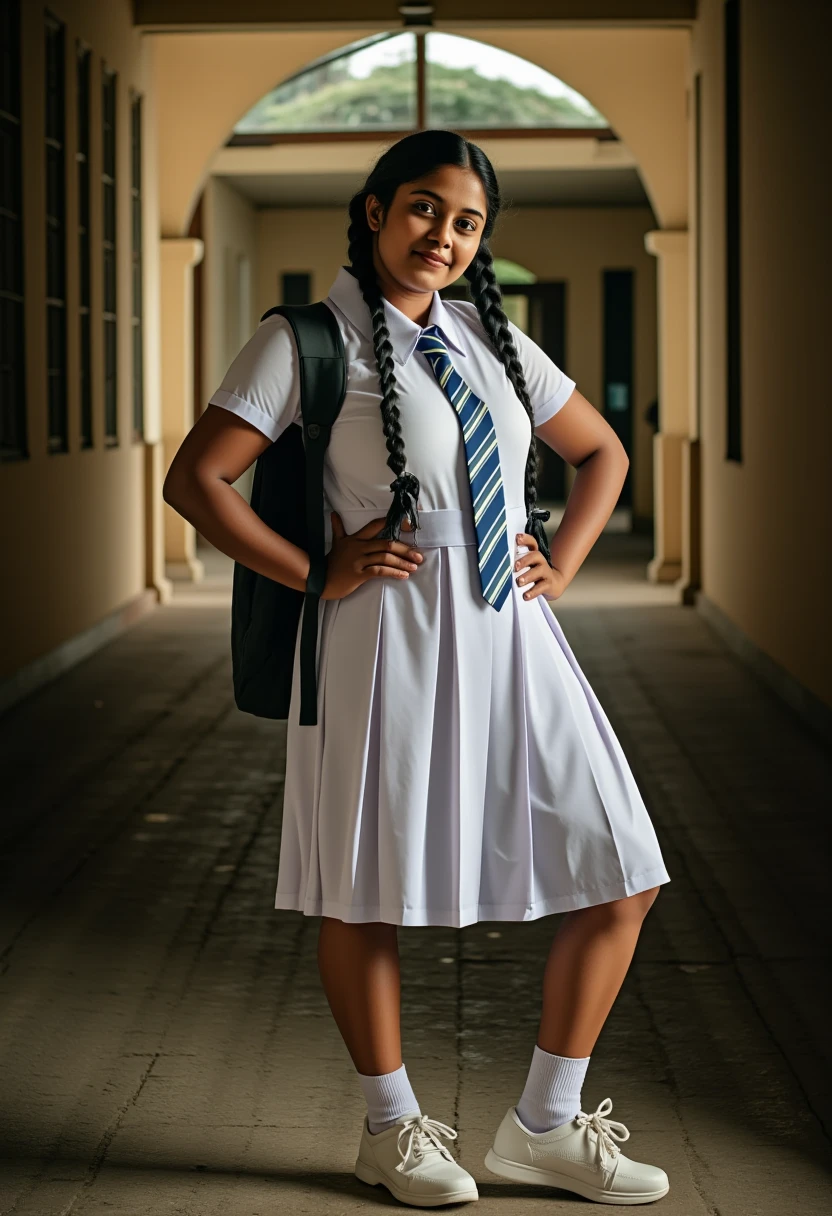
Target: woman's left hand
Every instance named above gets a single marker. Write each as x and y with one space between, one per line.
545 580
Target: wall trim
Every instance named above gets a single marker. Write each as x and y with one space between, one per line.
44 669
816 714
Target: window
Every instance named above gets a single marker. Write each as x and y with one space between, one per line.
108 179
82 158
372 87
136 228
470 85
733 328
13 444
55 132
404 82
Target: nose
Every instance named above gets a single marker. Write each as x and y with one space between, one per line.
442 233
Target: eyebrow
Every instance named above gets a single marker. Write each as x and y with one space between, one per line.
440 199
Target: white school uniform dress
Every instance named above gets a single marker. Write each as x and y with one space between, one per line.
462 768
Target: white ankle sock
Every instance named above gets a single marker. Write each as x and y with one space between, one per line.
553 1091
389 1096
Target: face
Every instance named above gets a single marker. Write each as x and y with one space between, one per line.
431 231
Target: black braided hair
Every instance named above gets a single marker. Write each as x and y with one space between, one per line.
407 160
488 300
405 487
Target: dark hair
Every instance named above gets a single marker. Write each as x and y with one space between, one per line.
413 157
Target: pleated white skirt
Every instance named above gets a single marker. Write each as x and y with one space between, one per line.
462 768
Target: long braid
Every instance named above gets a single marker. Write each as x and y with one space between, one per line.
405 487
488 299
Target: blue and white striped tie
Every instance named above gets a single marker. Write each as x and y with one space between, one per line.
484 474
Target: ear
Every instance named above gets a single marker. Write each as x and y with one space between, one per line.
374 211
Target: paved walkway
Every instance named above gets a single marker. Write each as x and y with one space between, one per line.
165 1046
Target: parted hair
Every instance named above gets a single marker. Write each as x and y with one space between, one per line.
410 158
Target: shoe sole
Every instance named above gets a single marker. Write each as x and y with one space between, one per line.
368 1173
532 1173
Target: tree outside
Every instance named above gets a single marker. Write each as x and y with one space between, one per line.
328 98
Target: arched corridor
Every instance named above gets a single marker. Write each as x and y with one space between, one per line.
165 1043
173 168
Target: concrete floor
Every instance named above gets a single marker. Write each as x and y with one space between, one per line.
165 1046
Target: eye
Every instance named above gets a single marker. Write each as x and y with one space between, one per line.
471 226
424 203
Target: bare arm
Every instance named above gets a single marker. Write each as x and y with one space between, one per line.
218 450
579 434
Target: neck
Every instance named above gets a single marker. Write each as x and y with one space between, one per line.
415 305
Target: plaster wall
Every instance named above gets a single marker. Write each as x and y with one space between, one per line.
767 520
229 278
72 524
208 81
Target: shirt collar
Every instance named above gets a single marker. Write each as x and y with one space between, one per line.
346 295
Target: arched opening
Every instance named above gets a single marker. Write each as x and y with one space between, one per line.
304 147
580 198
400 82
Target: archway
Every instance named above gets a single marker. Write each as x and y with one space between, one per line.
634 76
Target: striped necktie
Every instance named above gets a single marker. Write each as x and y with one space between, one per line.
483 459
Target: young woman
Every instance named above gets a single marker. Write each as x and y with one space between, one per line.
462 768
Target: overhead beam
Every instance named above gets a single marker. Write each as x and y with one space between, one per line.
167 15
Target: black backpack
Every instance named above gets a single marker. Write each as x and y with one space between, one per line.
287 494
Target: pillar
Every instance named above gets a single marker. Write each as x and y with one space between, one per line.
179 255
671 444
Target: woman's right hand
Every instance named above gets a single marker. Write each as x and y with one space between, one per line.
354 559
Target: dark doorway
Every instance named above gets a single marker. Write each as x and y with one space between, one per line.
618 364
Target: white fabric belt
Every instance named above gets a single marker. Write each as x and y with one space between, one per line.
437 528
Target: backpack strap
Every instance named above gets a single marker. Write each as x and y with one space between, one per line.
323 384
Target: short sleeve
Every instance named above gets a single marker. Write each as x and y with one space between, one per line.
262 385
549 388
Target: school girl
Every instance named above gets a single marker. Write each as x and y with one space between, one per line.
461 768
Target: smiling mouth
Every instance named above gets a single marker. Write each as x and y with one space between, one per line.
430 258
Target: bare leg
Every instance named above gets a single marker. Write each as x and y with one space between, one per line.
359 968
587 963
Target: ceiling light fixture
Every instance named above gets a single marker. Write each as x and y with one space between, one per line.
417 17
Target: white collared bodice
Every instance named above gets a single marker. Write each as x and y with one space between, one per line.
262 386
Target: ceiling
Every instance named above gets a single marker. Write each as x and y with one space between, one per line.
520 187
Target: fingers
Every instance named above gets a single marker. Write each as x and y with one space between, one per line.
523 538
387 559
386 572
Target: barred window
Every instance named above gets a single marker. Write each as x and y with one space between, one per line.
108 179
136 226
13 445
82 157
55 133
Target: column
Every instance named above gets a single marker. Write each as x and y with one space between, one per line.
671 444
179 255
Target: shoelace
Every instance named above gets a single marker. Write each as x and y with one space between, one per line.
422 1135
607 1131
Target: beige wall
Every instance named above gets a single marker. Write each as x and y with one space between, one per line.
636 77
72 525
229 273
568 243
206 82
767 522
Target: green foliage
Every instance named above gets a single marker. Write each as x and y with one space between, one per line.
510 272
328 99
460 97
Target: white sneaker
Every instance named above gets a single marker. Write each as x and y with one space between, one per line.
409 1160
579 1156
